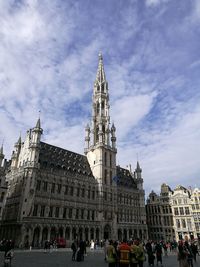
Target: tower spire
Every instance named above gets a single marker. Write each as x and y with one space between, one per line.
100 77
1 155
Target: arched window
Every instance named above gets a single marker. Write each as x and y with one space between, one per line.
105 159
105 178
97 134
98 108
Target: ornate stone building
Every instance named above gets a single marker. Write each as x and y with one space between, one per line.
195 200
174 214
3 183
182 213
54 192
159 214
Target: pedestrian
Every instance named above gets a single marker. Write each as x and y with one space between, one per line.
141 254
150 253
74 249
82 249
124 254
189 254
194 249
182 255
165 247
105 249
134 253
111 255
92 244
158 251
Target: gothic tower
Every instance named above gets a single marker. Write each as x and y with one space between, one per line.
100 140
1 155
100 149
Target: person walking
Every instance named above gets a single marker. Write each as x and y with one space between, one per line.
111 255
182 255
74 249
134 253
189 254
194 249
158 251
141 254
124 254
150 253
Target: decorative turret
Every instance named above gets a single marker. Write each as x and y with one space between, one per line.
113 137
35 141
16 152
1 155
138 171
87 137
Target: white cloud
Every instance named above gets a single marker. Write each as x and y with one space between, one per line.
128 111
155 2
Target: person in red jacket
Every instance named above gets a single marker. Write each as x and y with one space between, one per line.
124 254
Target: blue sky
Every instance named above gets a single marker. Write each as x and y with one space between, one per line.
48 62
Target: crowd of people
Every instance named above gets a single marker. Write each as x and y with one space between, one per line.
134 253
187 253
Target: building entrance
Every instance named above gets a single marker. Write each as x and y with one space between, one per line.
107 232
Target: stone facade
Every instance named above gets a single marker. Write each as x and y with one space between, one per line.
54 192
174 214
195 200
159 214
3 183
182 213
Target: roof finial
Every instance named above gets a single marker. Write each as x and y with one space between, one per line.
100 56
100 77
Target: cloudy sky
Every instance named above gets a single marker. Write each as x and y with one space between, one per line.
151 49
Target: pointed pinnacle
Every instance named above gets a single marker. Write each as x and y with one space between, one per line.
38 124
100 77
1 150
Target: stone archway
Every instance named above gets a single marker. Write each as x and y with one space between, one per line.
53 233
119 234
44 235
97 234
86 234
107 232
67 233
36 236
92 233
125 234
74 234
60 232
80 233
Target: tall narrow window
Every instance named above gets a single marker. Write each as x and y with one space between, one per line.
66 189
50 211
105 177
57 212
45 184
59 188
38 185
53 188
111 178
42 211
110 160
64 213
70 213
35 210
105 159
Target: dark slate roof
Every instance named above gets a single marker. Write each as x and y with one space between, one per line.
59 158
124 178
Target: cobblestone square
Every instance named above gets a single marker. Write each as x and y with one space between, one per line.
62 258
